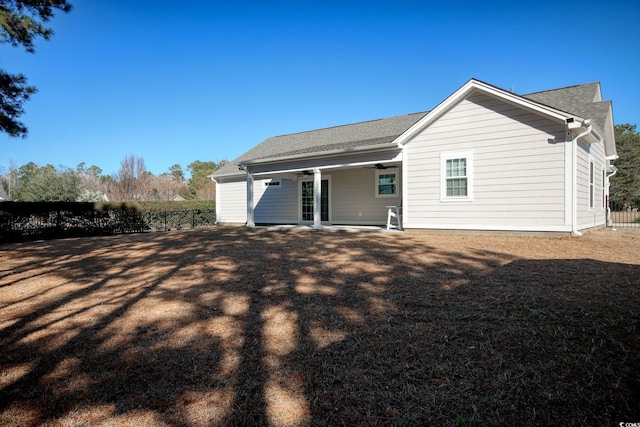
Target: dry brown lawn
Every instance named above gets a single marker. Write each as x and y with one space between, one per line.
228 326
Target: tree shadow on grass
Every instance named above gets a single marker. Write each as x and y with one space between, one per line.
245 327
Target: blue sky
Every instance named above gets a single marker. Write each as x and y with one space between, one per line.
178 81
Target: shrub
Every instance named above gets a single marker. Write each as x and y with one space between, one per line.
41 220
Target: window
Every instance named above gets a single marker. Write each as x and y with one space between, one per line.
274 183
456 176
386 183
591 184
604 197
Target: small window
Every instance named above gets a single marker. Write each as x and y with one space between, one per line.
456 176
604 196
274 183
386 183
591 184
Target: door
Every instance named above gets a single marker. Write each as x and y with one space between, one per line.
306 201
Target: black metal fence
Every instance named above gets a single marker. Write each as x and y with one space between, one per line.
624 215
68 220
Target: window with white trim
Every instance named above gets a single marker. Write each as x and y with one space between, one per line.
604 196
591 184
387 182
456 176
274 183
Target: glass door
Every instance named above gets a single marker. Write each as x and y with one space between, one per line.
306 200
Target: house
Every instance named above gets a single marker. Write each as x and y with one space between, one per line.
483 159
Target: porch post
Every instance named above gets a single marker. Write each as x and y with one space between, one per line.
250 220
317 197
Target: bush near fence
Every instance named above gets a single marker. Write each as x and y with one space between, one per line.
24 221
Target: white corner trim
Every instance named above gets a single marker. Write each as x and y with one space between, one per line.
404 202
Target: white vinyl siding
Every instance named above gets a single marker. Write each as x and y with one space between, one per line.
518 169
231 202
275 204
353 200
589 214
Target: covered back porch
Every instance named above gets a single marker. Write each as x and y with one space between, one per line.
356 189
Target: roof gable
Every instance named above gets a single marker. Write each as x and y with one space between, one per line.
473 86
584 101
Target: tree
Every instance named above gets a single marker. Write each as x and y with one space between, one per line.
47 184
21 22
200 185
176 172
8 181
166 186
131 179
92 184
625 184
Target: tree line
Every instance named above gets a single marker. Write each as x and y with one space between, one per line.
24 21
625 184
32 182
132 182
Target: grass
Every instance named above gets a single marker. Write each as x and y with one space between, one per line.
227 326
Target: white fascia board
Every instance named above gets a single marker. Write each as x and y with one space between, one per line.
379 148
278 172
322 154
229 176
470 87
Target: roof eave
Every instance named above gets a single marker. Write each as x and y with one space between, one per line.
579 124
387 146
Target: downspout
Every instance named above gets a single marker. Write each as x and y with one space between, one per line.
217 198
574 183
608 184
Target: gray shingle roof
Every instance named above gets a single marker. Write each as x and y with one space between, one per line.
584 101
339 137
581 100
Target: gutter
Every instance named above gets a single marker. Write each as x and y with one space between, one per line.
387 146
574 174
245 164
